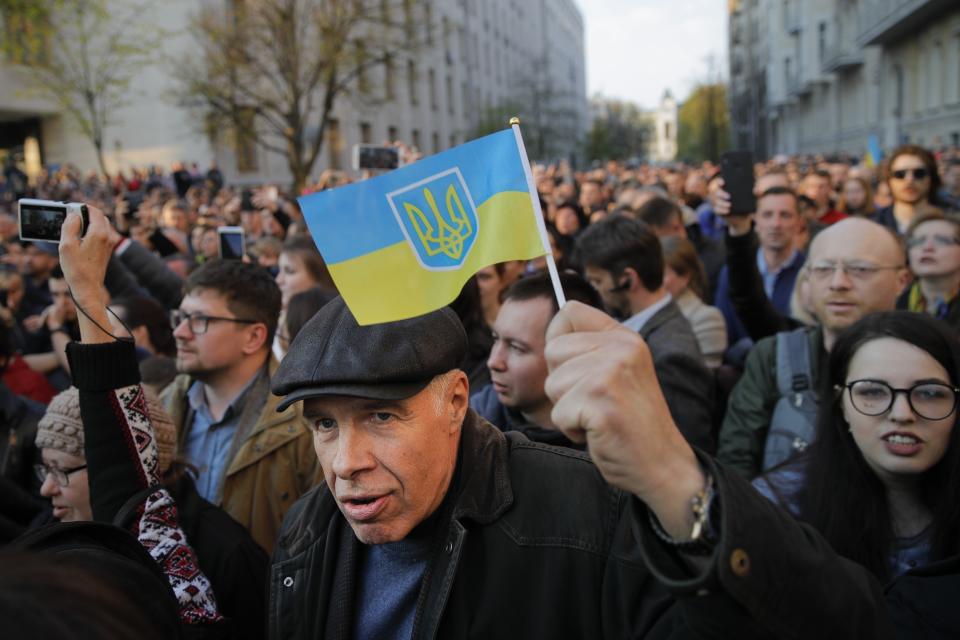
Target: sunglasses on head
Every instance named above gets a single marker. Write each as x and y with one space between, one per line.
918 174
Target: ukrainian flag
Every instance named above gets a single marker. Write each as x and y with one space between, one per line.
404 243
874 154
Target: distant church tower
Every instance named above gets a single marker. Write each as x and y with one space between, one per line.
665 148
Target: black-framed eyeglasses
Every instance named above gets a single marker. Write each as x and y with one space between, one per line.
60 476
198 323
929 400
920 173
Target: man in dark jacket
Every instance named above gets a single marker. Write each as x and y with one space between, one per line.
854 267
433 524
623 260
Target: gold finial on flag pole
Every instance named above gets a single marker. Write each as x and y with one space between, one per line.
514 120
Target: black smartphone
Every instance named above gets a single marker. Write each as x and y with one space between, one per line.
371 156
246 200
231 243
41 220
3 297
736 167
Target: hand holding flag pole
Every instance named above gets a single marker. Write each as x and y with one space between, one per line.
538 213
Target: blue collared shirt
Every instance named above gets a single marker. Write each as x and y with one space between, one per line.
770 276
637 320
208 442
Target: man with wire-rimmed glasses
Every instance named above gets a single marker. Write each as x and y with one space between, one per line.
854 267
250 460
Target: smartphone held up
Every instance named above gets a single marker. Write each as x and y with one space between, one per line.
231 244
736 167
379 157
42 220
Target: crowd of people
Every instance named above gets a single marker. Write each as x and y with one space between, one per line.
759 408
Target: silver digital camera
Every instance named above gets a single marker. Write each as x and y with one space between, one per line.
41 220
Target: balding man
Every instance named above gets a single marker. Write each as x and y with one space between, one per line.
854 267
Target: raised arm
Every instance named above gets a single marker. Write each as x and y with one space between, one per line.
120 444
726 552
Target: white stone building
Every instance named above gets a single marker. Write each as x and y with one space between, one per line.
489 48
825 75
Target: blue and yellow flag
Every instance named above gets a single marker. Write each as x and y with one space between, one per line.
874 155
404 243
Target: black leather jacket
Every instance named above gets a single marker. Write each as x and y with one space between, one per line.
532 543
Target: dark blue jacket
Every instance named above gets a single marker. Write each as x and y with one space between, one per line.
782 291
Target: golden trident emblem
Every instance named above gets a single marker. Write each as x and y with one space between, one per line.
446 236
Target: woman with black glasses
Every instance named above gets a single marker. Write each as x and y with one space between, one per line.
882 481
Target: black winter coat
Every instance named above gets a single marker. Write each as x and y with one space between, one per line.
532 543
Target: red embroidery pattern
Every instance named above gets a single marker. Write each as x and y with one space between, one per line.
158 527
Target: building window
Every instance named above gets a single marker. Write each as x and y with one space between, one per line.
245 142
334 144
412 82
935 76
408 19
436 142
360 60
428 21
392 135
415 139
389 83
432 81
446 39
822 41
953 71
453 141
366 133
450 97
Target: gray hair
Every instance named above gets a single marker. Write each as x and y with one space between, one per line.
439 387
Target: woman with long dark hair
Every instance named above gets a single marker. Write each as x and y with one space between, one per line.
882 482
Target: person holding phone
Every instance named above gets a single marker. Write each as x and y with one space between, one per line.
853 268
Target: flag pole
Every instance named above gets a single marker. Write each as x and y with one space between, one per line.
538 214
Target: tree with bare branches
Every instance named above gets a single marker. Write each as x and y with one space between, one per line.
82 55
272 71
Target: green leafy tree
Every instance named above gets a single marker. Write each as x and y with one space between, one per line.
81 55
620 130
272 71
704 124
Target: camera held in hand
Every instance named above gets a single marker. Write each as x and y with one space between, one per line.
42 220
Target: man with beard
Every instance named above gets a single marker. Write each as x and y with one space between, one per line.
914 182
623 260
251 460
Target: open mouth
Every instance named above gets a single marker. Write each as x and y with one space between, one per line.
362 508
902 444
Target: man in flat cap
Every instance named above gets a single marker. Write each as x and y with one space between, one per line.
434 524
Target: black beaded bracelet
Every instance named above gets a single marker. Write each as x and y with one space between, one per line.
703 539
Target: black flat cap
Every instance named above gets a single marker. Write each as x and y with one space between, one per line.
333 355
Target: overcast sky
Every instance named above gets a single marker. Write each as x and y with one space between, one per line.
638 48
